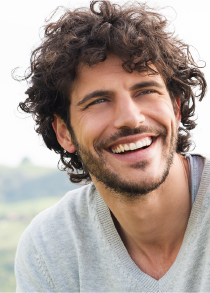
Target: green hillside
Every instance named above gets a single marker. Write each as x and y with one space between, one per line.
29 181
14 218
24 192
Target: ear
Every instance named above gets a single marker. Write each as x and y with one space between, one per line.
178 109
63 135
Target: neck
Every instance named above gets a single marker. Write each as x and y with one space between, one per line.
154 226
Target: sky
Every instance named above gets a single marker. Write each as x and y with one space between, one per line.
20 26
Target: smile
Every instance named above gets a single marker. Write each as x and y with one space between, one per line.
121 148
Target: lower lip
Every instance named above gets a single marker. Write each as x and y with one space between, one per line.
140 154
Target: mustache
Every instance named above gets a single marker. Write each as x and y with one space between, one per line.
157 131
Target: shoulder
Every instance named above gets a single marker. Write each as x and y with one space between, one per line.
72 209
52 240
61 224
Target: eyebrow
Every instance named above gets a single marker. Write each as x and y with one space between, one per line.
146 84
100 93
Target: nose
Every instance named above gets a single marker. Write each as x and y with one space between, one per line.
128 113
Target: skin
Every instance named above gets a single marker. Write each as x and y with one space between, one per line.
152 226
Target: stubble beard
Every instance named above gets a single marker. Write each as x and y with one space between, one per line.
121 188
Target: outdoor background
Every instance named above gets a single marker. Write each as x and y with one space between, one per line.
29 181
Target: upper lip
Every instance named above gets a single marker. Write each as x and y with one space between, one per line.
130 139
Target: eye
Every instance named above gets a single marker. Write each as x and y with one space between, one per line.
147 92
98 101
144 93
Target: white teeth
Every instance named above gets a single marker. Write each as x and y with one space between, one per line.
144 143
132 146
121 147
126 147
139 144
149 141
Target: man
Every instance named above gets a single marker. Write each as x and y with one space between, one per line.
112 92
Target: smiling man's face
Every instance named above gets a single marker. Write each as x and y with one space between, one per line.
124 127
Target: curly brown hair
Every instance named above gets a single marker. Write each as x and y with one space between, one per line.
137 35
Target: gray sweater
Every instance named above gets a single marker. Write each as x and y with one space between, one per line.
74 247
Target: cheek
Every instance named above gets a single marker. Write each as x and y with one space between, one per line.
162 112
89 127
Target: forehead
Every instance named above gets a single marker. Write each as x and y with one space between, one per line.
108 75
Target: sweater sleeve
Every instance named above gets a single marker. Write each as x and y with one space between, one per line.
31 273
